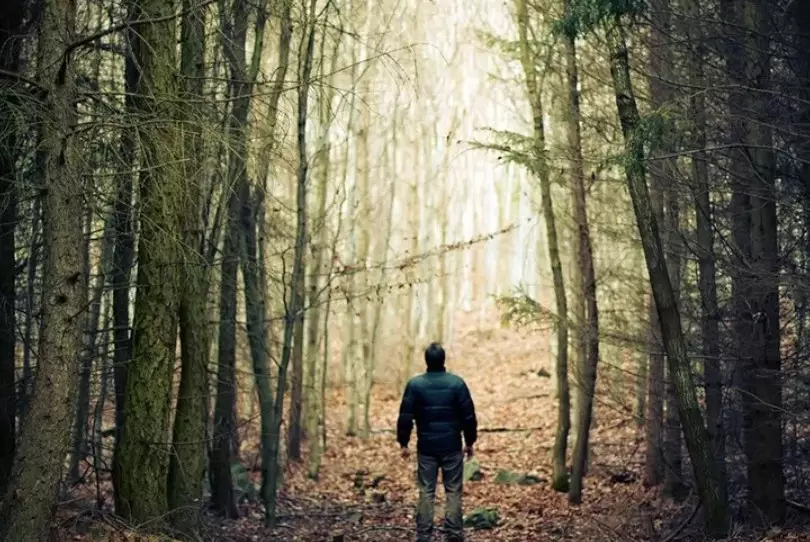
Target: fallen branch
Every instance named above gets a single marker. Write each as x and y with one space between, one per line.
798 506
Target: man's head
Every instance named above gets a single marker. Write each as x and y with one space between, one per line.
434 357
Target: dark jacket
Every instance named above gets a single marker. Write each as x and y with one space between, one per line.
440 404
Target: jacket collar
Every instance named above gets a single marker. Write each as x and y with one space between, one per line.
436 370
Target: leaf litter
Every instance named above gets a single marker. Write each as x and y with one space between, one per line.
366 491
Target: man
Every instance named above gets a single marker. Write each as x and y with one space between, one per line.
443 409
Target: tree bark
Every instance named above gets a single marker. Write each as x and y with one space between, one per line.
44 441
654 417
295 300
123 253
709 311
674 486
187 461
90 352
588 331
528 60
762 397
320 273
697 439
142 462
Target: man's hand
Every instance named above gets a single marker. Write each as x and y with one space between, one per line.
469 452
406 453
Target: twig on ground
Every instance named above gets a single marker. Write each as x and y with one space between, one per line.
798 506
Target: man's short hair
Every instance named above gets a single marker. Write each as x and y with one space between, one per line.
434 356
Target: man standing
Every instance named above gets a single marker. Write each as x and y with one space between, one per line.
443 409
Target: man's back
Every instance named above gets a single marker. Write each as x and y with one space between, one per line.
440 404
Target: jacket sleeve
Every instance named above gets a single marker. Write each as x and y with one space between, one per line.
405 420
469 423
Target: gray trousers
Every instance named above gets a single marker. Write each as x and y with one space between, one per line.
452 467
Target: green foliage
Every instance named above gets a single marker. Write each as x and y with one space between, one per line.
513 148
510 48
243 486
522 310
482 518
587 15
508 477
472 470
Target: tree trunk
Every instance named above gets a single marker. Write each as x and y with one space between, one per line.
11 19
709 311
697 439
321 273
654 418
295 300
224 426
365 357
762 397
80 437
187 461
123 253
673 456
377 313
31 302
663 175
588 331
29 501
351 326
540 169
141 462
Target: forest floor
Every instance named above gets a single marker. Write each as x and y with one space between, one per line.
366 490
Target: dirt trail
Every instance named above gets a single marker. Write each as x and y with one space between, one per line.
517 412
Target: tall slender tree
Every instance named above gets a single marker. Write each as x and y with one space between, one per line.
187 461
528 61
141 462
697 439
588 331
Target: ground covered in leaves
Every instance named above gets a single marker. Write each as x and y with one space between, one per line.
366 491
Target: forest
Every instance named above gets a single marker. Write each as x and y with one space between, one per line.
229 228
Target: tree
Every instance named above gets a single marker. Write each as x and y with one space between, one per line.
588 331
45 434
141 461
709 311
295 300
187 461
528 60
697 439
755 232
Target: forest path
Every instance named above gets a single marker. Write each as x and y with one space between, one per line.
517 417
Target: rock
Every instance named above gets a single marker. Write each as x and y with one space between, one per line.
508 477
242 484
472 470
482 518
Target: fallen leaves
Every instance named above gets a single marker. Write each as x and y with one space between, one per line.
366 491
